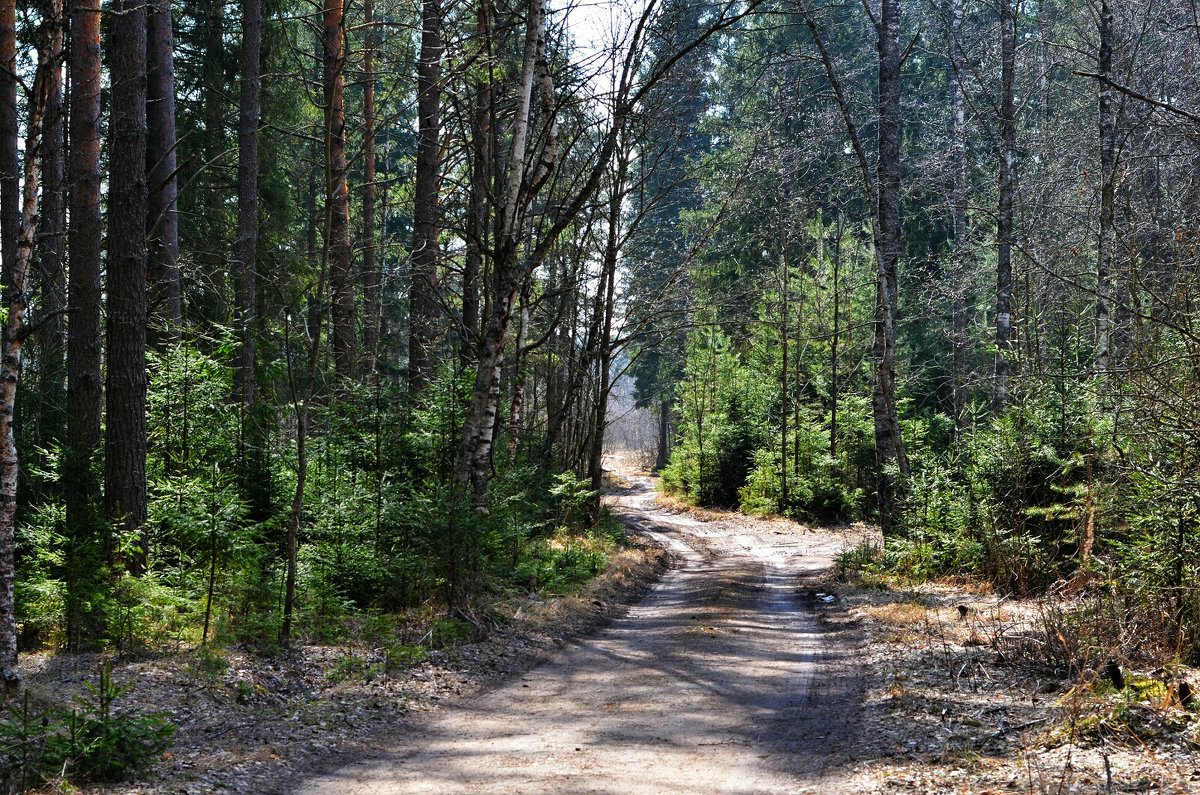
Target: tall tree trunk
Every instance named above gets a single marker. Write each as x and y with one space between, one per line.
784 395
481 169
516 406
958 215
1108 173
301 393
125 383
52 241
1004 227
835 339
247 203
883 197
663 453
341 275
163 218
607 290
372 277
82 491
422 292
474 454
15 303
890 459
10 178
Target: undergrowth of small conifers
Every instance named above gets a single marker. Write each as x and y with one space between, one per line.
42 742
522 550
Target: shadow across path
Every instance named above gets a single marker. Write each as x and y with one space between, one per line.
721 680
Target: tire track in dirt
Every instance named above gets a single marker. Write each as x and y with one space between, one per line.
723 679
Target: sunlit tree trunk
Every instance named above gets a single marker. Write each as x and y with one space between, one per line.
474 455
372 277
52 245
341 275
423 289
81 489
16 298
125 382
162 219
607 303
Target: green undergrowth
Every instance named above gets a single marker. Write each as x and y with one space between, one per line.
1146 709
90 742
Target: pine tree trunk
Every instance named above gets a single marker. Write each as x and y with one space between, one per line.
125 383
247 204
422 295
835 338
607 287
52 242
82 491
958 213
341 275
662 454
890 460
1004 228
372 278
477 212
1108 168
163 218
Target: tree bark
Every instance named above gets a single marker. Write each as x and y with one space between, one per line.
883 197
341 276
82 492
422 292
247 204
125 383
1108 167
372 278
890 460
52 243
958 216
10 182
16 301
163 218
607 287
474 454
1004 227
516 406
477 211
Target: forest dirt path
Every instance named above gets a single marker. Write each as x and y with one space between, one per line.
723 679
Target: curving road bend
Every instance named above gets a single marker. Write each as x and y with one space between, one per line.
721 680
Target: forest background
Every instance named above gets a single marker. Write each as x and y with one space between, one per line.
316 312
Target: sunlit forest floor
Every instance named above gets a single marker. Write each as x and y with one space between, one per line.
968 693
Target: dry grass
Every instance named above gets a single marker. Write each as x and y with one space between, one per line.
671 503
897 614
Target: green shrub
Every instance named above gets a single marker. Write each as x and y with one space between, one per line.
92 743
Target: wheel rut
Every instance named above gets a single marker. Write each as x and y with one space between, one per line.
722 679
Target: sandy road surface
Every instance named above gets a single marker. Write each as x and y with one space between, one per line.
721 680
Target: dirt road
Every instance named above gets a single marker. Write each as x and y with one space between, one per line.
721 680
